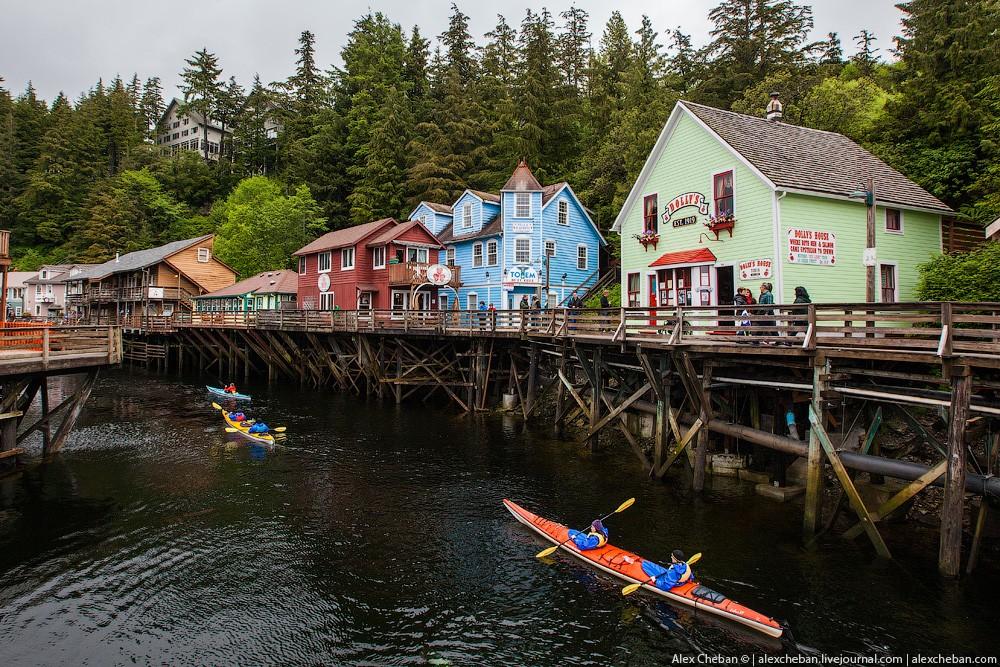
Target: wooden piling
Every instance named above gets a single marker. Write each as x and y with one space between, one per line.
595 398
950 551
705 415
814 464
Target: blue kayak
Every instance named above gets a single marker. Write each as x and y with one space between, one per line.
219 392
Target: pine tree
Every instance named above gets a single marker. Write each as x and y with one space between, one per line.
415 67
123 133
228 105
499 66
865 59
830 50
201 87
574 47
684 68
459 46
308 86
254 150
8 173
151 107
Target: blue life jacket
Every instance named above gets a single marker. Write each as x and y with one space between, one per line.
589 540
259 427
666 578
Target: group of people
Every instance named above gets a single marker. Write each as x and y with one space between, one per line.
256 427
744 297
663 578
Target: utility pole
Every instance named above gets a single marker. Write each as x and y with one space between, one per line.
870 242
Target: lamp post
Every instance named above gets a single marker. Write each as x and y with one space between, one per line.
870 258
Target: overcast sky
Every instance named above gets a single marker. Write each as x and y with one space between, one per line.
68 44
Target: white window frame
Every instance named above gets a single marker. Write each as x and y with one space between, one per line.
563 212
520 210
326 296
472 301
477 255
545 248
449 255
467 216
885 223
328 255
302 266
492 252
344 254
376 252
518 240
419 252
585 257
895 272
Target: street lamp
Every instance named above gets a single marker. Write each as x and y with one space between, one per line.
868 195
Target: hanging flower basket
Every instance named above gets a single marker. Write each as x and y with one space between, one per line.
647 239
722 223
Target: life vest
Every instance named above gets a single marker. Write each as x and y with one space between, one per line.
686 576
601 539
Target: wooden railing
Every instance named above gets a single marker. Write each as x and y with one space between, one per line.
415 273
47 345
108 294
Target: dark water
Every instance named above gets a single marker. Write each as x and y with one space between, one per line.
377 536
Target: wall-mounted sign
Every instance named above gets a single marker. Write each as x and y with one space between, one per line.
809 246
323 283
870 257
155 292
695 199
438 274
754 269
683 222
522 227
521 275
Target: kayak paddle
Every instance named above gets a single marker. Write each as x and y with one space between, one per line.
551 550
632 588
279 429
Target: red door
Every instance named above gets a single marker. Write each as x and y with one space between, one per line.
652 299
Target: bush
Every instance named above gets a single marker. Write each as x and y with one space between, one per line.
614 296
970 276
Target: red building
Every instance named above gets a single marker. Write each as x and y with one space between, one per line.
378 265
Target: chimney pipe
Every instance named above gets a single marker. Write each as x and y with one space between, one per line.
775 107
116 257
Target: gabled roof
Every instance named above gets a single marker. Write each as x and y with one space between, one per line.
442 209
341 238
486 196
393 233
17 278
193 115
794 158
493 227
993 229
282 281
522 180
550 191
140 259
697 256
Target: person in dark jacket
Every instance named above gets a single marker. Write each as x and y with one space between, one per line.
766 299
801 296
605 301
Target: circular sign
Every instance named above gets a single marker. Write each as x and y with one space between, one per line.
438 274
324 282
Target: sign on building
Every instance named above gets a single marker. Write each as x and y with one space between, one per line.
810 246
155 292
755 269
522 227
695 199
521 275
438 274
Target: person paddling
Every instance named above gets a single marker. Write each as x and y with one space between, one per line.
259 427
230 388
594 538
237 417
678 573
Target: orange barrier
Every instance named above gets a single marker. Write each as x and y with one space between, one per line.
23 335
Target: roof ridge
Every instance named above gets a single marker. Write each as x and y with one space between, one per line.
765 120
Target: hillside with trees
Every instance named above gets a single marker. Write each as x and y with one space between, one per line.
405 118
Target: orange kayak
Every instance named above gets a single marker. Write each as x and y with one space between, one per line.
628 567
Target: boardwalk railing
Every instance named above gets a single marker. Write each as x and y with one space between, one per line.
59 346
942 329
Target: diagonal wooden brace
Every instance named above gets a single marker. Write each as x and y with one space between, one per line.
904 494
681 445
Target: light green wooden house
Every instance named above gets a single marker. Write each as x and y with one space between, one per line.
264 291
728 200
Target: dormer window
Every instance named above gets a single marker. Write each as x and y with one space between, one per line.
522 204
204 254
467 216
564 212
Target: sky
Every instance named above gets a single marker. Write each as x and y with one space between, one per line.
66 45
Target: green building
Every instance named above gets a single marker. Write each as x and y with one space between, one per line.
264 291
727 200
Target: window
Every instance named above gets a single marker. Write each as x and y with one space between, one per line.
175 135
326 301
346 259
887 273
184 133
466 216
450 254
472 301
186 121
418 255
563 212
581 257
522 250
302 265
423 219
477 254
705 276
177 123
723 190
522 204
44 275
204 254
649 213
550 248
491 253
378 257
323 262
633 290
894 220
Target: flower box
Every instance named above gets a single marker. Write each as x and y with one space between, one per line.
721 224
647 239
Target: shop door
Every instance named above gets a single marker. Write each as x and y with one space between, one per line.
683 277
652 298
725 291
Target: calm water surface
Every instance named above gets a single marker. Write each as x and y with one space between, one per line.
377 536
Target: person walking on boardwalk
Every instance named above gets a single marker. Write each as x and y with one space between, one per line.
766 299
605 301
594 538
666 578
801 296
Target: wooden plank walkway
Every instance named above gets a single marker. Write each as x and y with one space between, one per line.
44 348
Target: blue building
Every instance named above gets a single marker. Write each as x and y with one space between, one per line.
528 240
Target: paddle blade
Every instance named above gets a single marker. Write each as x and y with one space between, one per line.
216 406
230 429
625 505
631 588
547 552
694 559
279 429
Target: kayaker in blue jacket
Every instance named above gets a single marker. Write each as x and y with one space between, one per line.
237 416
259 427
678 573
596 537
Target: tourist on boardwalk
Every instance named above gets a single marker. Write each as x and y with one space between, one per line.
766 299
482 314
524 305
605 301
740 300
678 573
575 303
492 310
594 538
801 296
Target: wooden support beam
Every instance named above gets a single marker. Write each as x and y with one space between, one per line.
624 405
814 461
597 391
847 483
897 500
69 421
682 443
977 536
573 392
952 509
705 415
561 404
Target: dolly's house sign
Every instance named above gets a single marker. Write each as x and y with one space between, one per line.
755 269
810 246
695 199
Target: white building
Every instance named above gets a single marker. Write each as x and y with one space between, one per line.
183 132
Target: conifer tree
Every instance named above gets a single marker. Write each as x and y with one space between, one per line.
865 59
254 150
499 67
574 47
308 86
151 107
201 87
830 50
7 167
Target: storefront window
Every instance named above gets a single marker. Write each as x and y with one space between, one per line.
724 194
633 290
